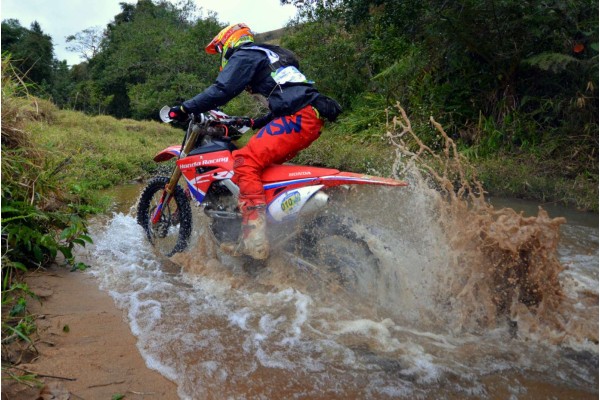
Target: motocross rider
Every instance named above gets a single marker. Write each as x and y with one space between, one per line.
296 115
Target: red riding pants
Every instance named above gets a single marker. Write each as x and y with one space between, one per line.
279 141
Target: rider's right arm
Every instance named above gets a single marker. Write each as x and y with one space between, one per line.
234 78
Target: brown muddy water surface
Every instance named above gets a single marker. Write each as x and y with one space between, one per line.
441 322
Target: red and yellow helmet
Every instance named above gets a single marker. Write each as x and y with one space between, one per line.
229 37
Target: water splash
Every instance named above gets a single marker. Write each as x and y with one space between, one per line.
468 300
503 267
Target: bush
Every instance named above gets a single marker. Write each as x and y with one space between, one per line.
37 221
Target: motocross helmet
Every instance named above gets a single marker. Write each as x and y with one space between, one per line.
229 38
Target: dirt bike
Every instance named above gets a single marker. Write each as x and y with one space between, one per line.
297 200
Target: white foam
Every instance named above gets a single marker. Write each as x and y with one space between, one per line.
176 315
374 330
214 370
153 363
273 359
240 318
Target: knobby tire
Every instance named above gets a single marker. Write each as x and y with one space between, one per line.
144 210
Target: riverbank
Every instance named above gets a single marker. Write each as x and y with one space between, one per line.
523 176
85 348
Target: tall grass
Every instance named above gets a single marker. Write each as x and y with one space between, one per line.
54 162
37 222
556 172
92 153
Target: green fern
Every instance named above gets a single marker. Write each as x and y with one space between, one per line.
553 62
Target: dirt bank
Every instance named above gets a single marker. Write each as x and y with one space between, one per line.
86 350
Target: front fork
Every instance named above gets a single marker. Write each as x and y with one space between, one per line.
191 138
166 195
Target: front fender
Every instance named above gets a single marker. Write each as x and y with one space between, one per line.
168 153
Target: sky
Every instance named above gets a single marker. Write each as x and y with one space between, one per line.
61 18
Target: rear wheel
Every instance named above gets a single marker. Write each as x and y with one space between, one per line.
331 244
172 232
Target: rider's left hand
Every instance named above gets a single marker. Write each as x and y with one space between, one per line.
178 113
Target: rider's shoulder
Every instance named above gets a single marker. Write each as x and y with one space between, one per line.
247 51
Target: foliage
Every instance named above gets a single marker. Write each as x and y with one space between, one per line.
31 51
506 76
150 56
37 221
49 184
34 210
16 323
34 237
503 76
534 178
336 64
247 104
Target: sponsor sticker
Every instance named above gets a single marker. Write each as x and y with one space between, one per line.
192 165
301 173
215 161
290 200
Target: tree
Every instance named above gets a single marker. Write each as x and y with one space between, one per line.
86 43
336 64
151 55
31 51
62 84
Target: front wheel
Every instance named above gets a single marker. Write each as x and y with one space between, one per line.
172 231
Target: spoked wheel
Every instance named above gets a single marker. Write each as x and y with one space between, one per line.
172 231
330 243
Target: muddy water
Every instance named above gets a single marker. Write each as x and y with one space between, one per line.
220 329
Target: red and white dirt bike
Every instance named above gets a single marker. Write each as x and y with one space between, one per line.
299 214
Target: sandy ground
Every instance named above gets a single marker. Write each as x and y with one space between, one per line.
85 347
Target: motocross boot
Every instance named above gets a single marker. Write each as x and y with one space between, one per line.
253 241
254 235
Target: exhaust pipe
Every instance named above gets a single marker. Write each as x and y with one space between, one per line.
315 204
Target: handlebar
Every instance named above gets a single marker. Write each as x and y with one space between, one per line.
211 118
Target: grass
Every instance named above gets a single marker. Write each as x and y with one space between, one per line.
93 153
21 162
525 175
54 162
90 153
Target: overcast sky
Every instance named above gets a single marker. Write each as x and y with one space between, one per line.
61 18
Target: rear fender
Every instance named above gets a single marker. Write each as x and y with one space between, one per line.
168 153
350 178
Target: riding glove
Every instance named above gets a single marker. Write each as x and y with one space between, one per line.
178 113
244 121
